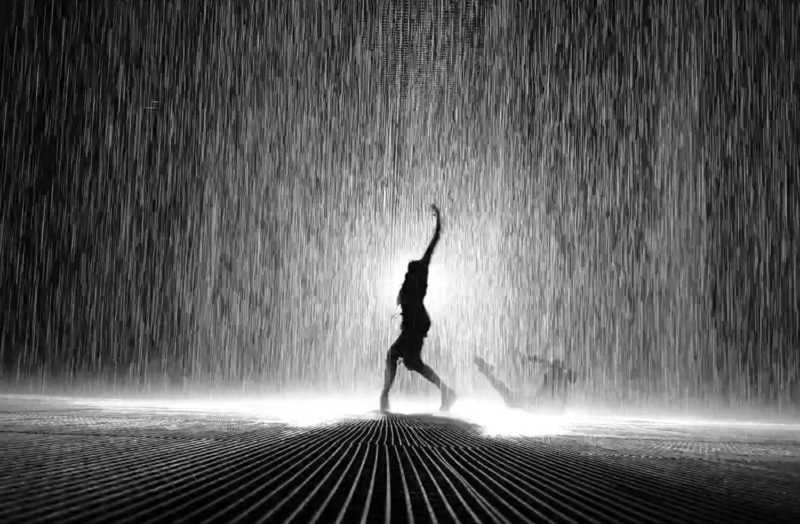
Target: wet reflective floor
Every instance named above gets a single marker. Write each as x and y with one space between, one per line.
65 461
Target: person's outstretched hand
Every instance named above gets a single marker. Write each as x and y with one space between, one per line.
438 215
426 258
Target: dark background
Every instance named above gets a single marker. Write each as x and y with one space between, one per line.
225 194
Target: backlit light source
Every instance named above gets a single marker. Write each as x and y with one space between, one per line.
493 418
442 283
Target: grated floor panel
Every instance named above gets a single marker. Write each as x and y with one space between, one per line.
93 466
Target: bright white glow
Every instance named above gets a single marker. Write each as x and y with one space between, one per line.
492 416
498 420
442 282
295 411
443 288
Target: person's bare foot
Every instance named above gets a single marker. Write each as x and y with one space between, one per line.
448 399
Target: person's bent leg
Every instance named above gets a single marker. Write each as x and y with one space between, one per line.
412 359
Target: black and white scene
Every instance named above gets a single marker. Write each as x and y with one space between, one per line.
399 261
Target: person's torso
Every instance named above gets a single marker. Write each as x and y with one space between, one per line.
414 289
415 318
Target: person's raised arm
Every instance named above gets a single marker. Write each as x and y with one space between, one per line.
426 258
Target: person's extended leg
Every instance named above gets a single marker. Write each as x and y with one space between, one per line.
391 370
426 371
414 363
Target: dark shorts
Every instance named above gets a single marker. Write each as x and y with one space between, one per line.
408 346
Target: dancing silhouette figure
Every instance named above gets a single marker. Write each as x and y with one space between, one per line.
415 326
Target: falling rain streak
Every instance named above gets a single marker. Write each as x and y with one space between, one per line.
224 195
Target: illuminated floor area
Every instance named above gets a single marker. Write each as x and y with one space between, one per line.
123 461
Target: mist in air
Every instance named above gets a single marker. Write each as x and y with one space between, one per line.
223 196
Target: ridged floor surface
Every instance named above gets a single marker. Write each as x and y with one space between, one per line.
88 466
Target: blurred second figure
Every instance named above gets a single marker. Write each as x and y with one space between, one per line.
415 326
551 393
